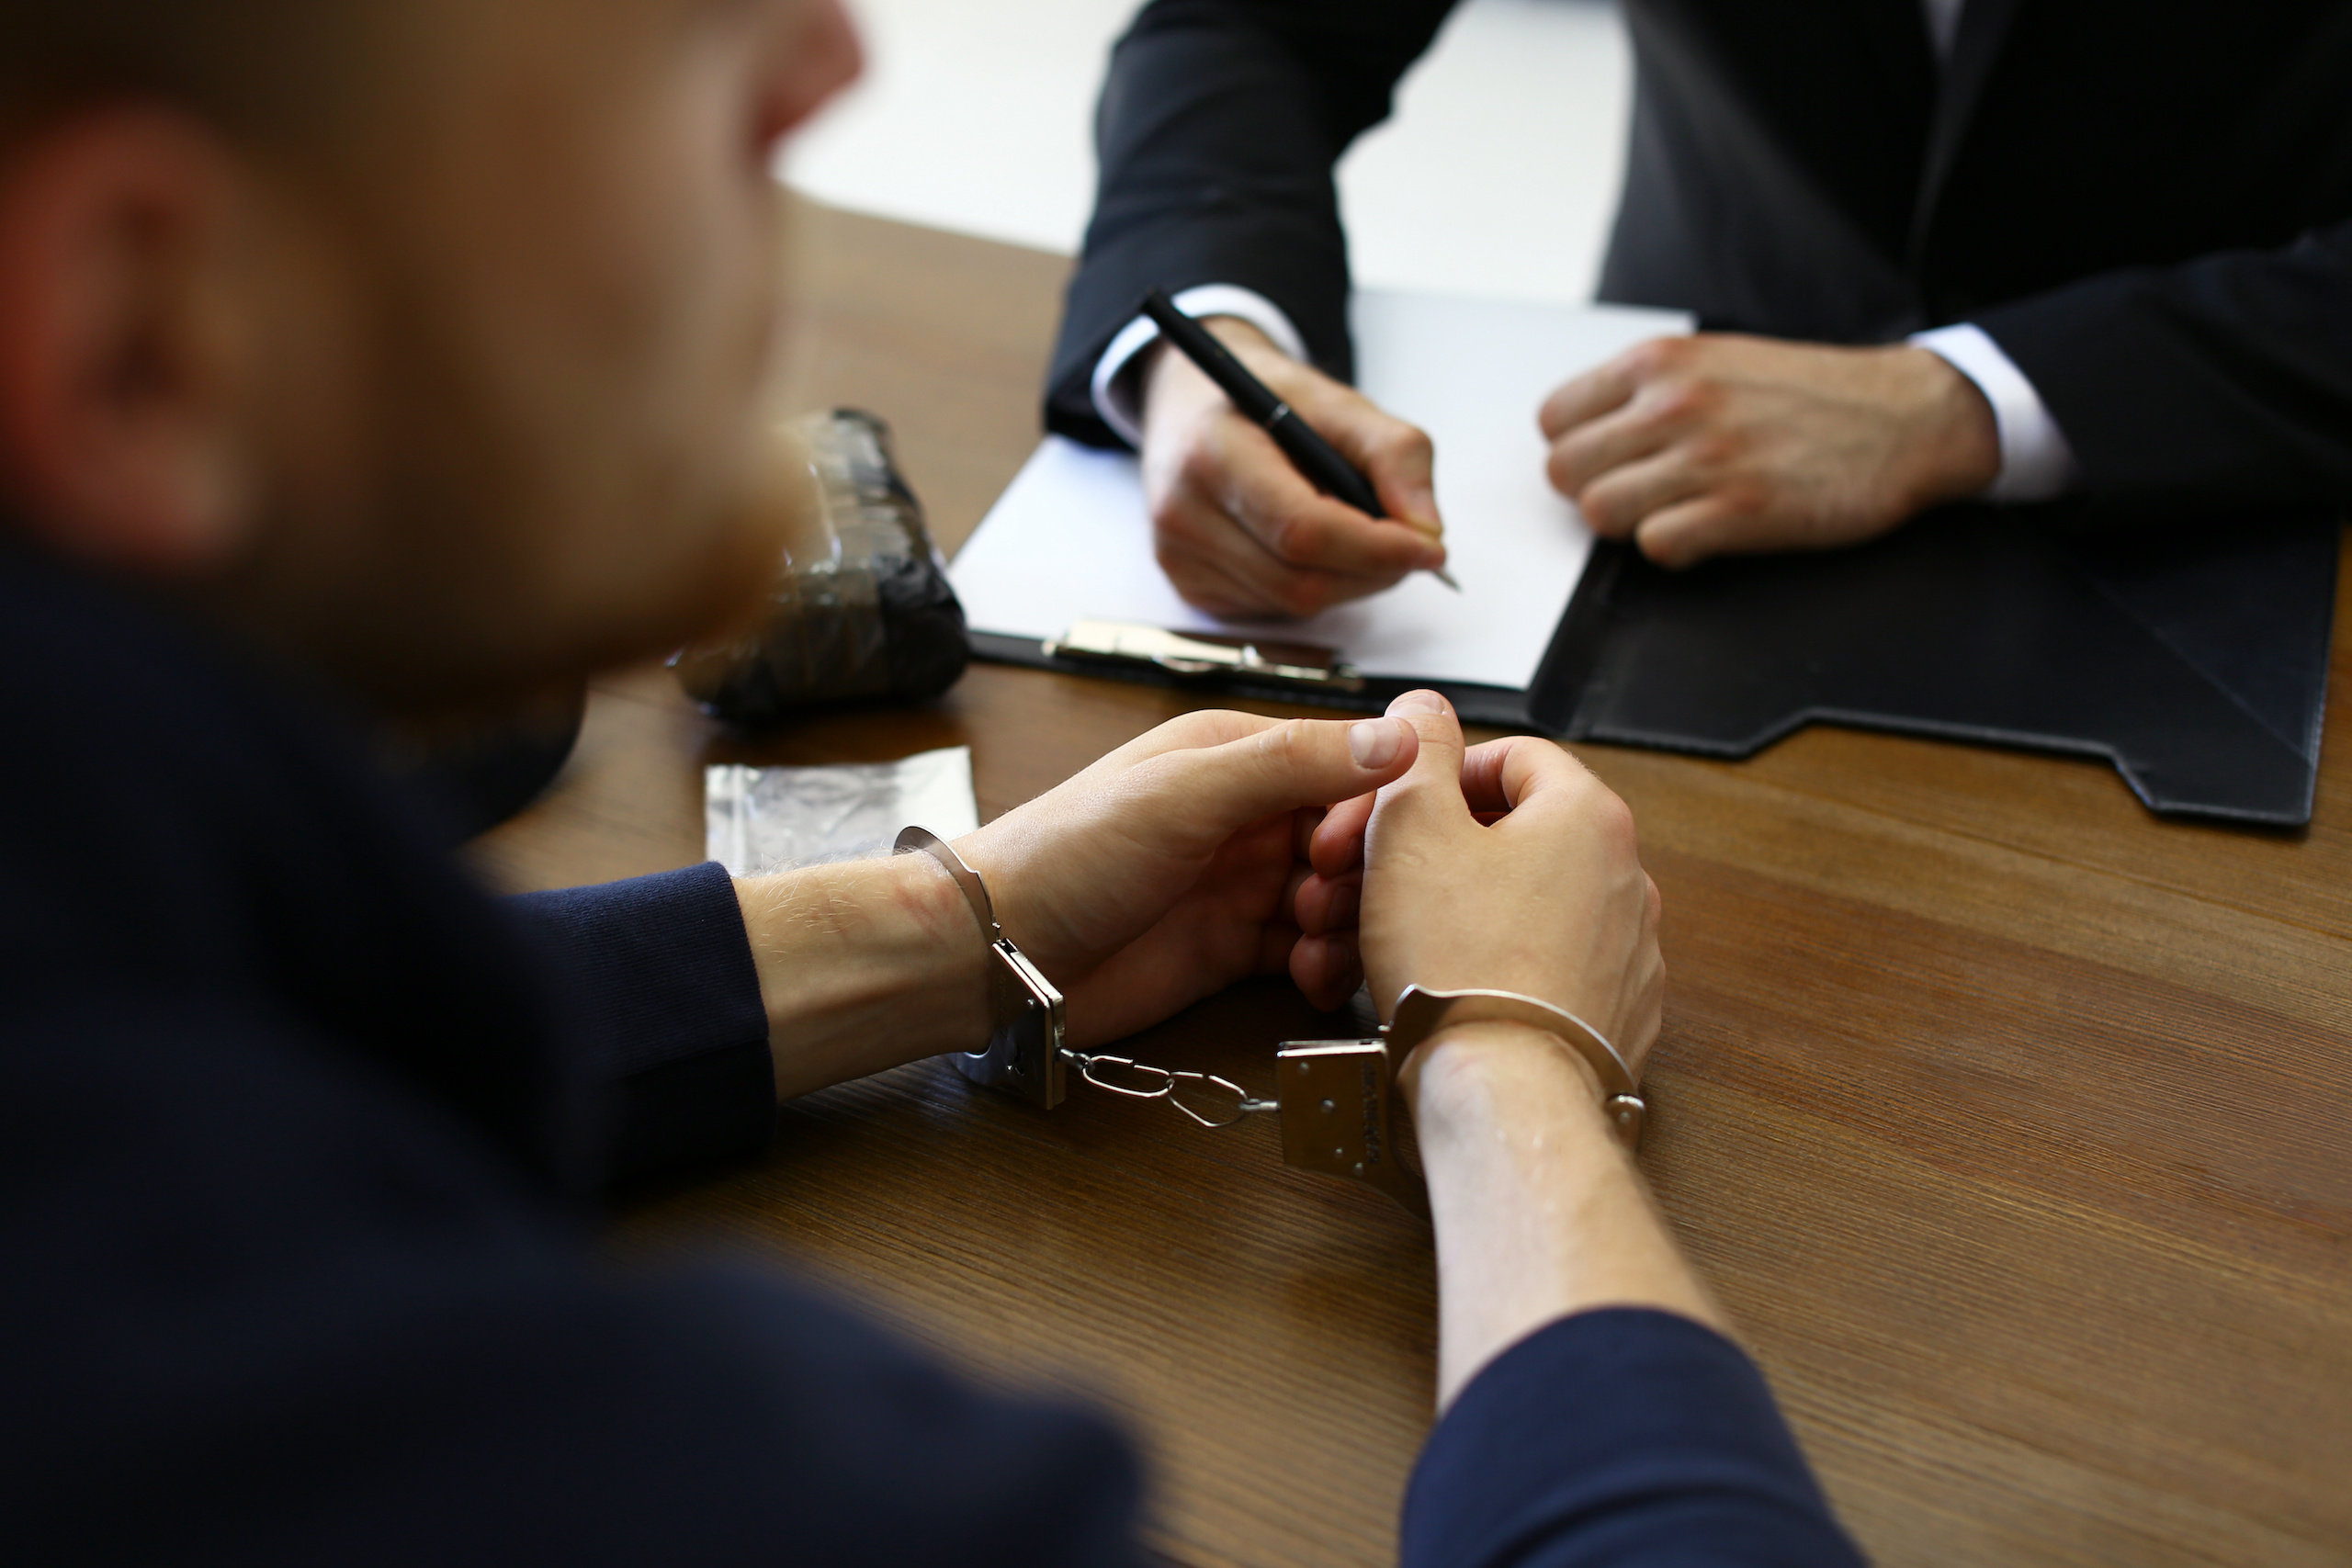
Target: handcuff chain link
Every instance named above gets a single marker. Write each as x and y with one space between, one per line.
1164 1082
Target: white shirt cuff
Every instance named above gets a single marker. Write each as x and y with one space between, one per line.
1114 391
2036 462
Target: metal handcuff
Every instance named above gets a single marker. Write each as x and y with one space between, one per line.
1336 1098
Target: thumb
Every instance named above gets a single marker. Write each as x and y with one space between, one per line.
1432 791
1216 790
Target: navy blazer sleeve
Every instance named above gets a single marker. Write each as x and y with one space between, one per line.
659 970
1626 1437
1218 127
2225 382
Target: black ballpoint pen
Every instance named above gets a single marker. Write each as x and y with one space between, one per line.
1320 461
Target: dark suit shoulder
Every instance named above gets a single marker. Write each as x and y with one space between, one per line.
1218 130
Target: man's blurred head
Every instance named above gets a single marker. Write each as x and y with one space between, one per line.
422 341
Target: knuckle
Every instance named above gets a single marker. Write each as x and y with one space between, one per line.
1561 470
1607 816
1552 418
1609 504
1200 466
1718 449
1304 596
1404 443
1673 550
1287 744
1745 498
1657 357
1169 516
1295 538
1688 400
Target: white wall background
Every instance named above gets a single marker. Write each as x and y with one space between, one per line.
1496 176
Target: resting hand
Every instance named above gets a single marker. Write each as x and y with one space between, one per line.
1169 870
1705 445
1510 867
1237 529
1506 867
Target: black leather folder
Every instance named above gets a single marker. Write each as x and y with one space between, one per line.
2193 657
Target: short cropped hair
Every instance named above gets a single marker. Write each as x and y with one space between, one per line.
257 69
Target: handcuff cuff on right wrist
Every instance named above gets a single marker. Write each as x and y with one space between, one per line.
1336 1098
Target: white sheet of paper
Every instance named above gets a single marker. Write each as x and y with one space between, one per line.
1069 538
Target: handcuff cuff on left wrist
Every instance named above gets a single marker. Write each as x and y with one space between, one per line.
1336 1098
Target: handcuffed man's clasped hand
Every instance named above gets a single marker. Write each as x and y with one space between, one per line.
1171 868
1506 866
1222 845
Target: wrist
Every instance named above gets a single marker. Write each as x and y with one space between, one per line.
1172 383
1244 337
1475 1082
949 932
1959 445
863 967
1538 1209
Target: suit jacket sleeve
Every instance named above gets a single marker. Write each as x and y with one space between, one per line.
1621 1436
2225 382
1218 127
656 973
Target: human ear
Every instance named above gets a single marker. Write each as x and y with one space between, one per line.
815 55
121 367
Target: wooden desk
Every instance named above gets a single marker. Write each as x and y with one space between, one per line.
2014 1126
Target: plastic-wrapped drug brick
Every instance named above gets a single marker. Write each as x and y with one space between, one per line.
860 608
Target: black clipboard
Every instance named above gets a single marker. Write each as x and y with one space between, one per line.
2193 656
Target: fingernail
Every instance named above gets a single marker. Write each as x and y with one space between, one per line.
1373 742
1421 505
1417 702
1432 558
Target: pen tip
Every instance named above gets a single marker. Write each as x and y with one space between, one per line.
1446 577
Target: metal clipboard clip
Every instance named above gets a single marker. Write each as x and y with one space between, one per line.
1203 653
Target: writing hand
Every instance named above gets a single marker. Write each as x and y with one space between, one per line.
1711 445
1237 529
1169 869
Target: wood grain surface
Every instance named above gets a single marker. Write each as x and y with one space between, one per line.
2013 1124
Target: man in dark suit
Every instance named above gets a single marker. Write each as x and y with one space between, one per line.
390 356
2004 248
